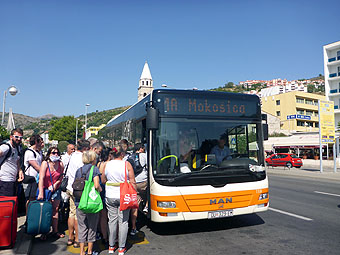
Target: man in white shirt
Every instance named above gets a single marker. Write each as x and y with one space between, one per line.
10 166
32 163
66 157
75 163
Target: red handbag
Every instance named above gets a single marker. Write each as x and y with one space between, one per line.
128 195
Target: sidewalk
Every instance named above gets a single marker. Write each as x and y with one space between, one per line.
310 169
23 243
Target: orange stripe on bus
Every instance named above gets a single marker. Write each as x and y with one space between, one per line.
210 201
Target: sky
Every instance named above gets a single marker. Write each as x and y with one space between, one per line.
64 54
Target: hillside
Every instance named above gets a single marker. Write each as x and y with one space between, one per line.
38 125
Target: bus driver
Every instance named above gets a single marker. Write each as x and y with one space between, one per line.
221 151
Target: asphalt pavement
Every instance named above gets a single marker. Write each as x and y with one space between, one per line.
26 244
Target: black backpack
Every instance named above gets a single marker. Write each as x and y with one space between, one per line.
7 154
136 165
27 178
79 184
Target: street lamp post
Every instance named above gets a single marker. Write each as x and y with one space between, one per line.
13 91
77 132
87 105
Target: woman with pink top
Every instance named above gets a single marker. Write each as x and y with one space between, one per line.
53 167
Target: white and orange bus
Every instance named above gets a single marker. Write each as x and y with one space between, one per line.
205 153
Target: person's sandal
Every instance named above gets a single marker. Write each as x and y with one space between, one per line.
76 245
70 242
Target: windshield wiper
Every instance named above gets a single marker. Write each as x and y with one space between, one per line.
182 176
208 167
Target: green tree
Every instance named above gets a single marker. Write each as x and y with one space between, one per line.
64 129
229 85
4 134
310 88
62 146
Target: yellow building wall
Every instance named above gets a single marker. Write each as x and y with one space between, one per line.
288 105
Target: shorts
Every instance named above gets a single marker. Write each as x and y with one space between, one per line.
141 191
73 209
30 190
8 189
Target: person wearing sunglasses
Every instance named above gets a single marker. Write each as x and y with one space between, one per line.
50 176
9 164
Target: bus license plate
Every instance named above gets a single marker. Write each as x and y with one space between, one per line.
220 214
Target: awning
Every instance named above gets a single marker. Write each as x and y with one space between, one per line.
294 141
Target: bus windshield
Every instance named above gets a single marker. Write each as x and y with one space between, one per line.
186 146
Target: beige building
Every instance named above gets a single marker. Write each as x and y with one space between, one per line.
297 111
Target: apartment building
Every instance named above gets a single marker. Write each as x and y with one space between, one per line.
93 130
298 111
331 53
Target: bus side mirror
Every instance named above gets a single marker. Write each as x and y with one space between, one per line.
152 119
265 132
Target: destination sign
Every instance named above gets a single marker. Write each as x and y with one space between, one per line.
211 106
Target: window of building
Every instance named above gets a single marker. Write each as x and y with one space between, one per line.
277 102
308 101
316 114
298 111
316 124
300 123
278 113
309 113
300 100
142 82
309 124
146 82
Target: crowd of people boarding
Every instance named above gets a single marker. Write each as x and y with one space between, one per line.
107 168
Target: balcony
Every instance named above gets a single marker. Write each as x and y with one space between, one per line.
331 59
332 91
336 107
332 75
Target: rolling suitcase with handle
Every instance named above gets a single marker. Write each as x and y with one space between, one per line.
39 217
8 221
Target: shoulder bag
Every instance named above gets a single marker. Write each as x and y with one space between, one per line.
128 195
90 201
64 181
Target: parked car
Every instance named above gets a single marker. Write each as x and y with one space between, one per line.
284 159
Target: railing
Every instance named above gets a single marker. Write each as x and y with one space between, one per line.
331 59
331 75
333 91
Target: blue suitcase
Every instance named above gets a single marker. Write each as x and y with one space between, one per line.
39 217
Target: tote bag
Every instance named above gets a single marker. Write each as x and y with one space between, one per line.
90 201
128 195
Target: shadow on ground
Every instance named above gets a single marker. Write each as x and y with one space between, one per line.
189 227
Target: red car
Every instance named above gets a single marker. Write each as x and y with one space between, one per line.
284 159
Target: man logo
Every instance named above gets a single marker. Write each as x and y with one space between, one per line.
221 200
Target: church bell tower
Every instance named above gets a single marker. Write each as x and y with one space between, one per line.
145 82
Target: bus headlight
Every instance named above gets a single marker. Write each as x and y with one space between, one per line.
164 204
263 196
